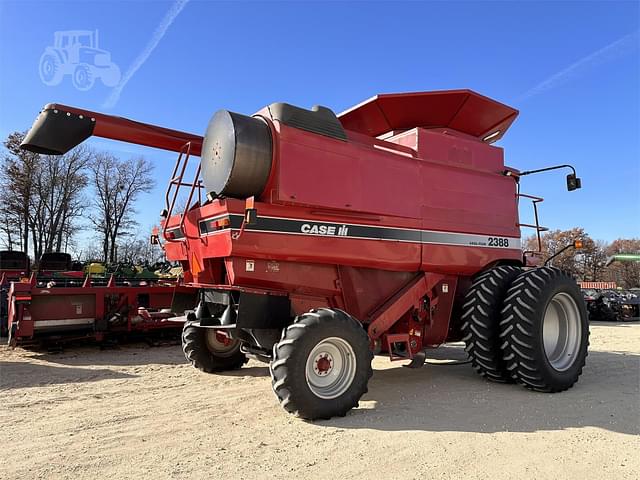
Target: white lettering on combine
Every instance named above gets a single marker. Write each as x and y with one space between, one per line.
320 229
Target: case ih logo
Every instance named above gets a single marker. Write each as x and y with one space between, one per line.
315 229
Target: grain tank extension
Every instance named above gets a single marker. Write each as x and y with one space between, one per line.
314 241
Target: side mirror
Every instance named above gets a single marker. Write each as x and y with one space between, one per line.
573 182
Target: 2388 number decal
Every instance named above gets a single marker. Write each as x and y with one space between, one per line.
498 242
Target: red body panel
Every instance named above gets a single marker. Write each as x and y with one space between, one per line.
460 110
454 184
380 254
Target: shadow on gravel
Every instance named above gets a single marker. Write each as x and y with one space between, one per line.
24 375
455 398
121 355
252 371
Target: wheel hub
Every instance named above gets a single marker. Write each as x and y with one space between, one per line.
323 364
561 332
330 368
219 344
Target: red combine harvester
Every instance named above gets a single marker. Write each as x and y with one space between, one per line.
314 241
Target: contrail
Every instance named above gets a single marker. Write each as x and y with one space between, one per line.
160 31
619 48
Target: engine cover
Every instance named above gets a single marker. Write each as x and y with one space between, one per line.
236 155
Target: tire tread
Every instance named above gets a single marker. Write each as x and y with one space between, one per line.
481 312
520 319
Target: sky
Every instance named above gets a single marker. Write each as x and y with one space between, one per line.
570 68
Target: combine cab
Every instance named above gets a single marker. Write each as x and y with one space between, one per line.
314 241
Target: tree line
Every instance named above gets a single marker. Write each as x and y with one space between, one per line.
589 264
45 200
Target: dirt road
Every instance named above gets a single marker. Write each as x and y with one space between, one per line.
141 412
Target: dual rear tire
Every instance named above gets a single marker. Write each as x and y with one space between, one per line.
528 326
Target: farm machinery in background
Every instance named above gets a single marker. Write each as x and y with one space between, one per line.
613 305
314 241
64 301
47 311
606 302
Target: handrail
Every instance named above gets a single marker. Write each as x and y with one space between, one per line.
196 182
177 182
174 179
534 200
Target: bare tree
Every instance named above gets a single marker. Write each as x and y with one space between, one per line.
17 174
117 185
58 202
41 196
10 224
593 261
140 251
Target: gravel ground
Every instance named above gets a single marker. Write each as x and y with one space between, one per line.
142 412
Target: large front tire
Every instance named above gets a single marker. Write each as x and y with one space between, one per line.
208 351
321 365
545 330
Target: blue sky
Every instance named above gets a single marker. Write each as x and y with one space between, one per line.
572 69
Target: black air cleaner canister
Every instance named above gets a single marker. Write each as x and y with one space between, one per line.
236 155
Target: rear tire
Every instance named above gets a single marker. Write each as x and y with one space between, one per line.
545 330
481 327
208 353
321 365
